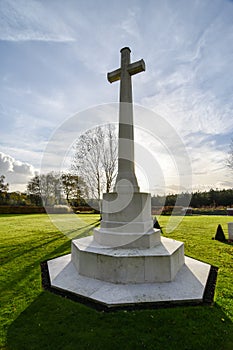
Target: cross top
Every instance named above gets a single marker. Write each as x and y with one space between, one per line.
124 74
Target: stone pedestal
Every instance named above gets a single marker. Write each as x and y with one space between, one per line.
126 248
127 262
126 221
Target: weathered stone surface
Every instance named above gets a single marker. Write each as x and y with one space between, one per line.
187 287
158 264
126 132
126 221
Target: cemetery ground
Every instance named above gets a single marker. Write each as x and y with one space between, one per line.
32 318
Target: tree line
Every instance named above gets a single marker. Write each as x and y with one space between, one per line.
46 190
52 188
212 198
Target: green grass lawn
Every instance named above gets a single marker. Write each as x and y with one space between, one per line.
35 319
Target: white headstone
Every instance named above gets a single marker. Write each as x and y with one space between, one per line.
230 230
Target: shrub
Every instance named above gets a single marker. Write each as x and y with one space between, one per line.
59 209
157 225
220 234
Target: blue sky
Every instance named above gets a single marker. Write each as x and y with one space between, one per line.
54 60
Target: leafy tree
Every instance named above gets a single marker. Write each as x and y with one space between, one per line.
74 188
53 188
171 199
18 198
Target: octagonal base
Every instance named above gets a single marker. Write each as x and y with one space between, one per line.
187 288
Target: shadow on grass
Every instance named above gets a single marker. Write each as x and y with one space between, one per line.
52 322
59 251
88 230
30 269
46 250
228 242
25 250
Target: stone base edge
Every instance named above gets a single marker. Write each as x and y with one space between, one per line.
208 296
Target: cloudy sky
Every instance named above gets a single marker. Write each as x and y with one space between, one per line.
54 60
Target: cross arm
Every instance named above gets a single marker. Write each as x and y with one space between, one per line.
136 67
114 76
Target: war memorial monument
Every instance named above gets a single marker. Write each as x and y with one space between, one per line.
126 262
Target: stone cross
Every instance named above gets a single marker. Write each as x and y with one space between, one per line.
126 169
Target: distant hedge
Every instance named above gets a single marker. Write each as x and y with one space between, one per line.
11 209
167 210
27 209
210 211
178 210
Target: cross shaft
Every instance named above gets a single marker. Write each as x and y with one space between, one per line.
126 169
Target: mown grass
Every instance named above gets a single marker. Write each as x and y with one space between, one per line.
35 319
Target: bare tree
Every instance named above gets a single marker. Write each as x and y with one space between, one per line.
95 159
229 160
4 187
46 186
109 157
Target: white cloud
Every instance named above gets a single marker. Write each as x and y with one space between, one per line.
191 110
17 173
